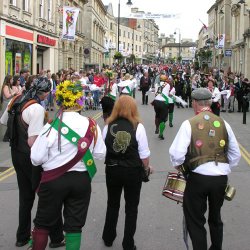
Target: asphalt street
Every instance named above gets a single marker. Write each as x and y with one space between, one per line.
159 225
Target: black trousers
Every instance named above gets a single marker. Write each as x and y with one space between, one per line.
144 97
28 177
161 110
199 190
71 192
118 179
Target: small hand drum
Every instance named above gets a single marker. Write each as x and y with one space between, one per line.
174 187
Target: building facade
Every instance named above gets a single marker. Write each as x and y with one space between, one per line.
29 35
229 21
110 36
95 29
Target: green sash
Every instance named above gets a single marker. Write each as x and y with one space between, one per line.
165 98
73 137
111 96
129 91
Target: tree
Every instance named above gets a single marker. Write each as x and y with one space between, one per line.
118 56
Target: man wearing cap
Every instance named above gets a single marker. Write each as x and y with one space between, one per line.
25 121
206 147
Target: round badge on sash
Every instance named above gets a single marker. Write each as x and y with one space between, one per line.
198 143
206 117
64 130
217 124
200 125
222 143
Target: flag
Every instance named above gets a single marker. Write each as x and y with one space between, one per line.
70 15
204 25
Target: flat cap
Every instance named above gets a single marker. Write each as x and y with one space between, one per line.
201 94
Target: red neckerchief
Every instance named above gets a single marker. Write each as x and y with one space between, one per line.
203 110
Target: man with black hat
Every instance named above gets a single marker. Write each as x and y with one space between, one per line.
24 117
206 147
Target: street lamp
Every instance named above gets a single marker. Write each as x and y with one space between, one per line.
129 3
179 42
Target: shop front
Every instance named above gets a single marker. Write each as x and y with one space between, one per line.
46 54
17 52
18 55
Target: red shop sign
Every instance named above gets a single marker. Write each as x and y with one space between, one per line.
46 40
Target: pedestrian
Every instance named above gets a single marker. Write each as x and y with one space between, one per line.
208 149
145 84
7 93
67 159
25 121
127 152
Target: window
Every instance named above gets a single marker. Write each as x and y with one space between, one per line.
136 48
26 5
128 35
49 10
13 2
124 33
41 5
111 26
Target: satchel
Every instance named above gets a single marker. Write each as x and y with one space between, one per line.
145 173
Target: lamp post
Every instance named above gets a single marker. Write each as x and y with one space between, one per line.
129 3
179 43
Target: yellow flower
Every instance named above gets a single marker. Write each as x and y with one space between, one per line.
68 94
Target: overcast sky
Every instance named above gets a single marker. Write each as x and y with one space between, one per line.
189 14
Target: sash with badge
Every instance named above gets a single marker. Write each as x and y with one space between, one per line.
83 152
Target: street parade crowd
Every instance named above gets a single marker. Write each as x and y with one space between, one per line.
55 159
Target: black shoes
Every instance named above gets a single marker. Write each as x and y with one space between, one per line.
22 243
108 244
170 125
5 139
56 245
157 131
161 137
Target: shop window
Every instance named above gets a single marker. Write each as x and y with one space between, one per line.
18 55
13 2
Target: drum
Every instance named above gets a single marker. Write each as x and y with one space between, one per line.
174 187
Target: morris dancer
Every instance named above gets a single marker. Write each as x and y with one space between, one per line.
171 101
126 85
109 98
161 105
207 147
215 97
65 149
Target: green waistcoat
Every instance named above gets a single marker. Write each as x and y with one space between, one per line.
209 140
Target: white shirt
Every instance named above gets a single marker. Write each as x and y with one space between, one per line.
216 95
124 84
141 139
32 115
165 91
45 149
179 148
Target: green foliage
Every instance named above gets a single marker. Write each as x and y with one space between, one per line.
118 55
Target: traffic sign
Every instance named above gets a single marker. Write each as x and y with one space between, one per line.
228 52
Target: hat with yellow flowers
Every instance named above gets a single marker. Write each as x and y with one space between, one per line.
69 95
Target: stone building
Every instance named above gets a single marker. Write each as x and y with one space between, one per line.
95 29
29 36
